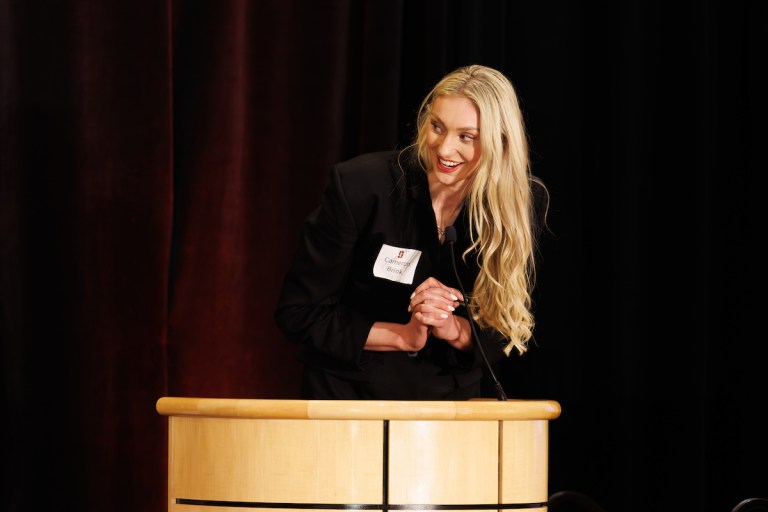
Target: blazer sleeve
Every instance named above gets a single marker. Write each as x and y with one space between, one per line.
309 309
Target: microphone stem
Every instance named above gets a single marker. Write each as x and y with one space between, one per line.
499 390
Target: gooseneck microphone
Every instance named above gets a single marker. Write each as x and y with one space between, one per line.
450 237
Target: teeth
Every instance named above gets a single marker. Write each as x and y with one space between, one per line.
447 163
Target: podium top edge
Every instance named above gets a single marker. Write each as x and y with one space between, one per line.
482 410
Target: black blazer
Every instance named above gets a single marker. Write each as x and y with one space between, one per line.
331 297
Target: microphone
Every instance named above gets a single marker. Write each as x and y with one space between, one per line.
450 237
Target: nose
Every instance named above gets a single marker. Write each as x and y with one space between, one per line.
447 145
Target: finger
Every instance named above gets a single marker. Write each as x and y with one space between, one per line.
432 288
455 295
438 313
441 296
449 293
428 283
429 320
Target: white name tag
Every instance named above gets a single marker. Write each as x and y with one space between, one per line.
396 264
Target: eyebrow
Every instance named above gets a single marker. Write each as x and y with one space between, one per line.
465 129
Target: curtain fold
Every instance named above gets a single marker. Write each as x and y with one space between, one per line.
87 204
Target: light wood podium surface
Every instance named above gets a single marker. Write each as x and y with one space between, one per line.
249 454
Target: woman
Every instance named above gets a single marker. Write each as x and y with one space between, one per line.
372 295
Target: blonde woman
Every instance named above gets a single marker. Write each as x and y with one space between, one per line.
372 295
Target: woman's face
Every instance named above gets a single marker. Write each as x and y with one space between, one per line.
453 139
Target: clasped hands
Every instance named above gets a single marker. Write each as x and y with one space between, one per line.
431 306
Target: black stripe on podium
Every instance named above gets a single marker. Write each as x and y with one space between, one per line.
353 506
385 469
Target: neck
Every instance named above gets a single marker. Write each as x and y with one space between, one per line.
446 205
446 197
447 200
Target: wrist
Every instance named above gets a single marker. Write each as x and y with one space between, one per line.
412 337
463 339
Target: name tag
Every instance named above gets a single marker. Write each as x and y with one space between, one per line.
396 264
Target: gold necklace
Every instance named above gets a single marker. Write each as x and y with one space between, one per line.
440 232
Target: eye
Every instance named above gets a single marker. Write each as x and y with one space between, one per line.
466 137
436 127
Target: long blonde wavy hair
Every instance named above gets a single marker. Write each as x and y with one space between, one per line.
499 202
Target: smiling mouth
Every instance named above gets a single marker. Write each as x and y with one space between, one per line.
447 165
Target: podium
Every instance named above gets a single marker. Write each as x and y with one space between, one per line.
308 455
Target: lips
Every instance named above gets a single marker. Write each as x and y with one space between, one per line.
447 165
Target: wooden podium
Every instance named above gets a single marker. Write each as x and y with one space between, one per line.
238 454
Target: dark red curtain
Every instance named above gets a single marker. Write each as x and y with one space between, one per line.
157 160
87 211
